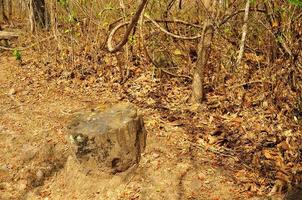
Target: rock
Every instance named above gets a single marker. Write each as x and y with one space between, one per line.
28 153
22 185
12 91
39 175
295 194
111 140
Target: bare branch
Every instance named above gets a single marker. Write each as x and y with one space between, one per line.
133 22
172 34
228 17
155 22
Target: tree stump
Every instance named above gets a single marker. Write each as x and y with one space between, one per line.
110 141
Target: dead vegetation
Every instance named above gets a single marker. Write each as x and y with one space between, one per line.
248 87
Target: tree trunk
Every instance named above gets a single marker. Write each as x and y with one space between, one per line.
10 9
3 16
38 14
244 32
204 47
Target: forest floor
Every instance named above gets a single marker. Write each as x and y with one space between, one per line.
34 155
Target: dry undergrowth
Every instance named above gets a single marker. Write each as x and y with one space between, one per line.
251 117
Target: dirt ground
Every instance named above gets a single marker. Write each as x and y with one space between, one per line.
35 160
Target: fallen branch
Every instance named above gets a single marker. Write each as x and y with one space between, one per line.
176 75
251 82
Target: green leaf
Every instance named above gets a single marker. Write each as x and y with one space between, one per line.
296 2
63 2
67 31
132 40
177 52
17 54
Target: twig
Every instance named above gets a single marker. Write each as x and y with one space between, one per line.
151 60
230 154
256 81
172 34
226 18
176 75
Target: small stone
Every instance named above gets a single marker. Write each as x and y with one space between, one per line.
22 185
11 92
25 92
4 168
265 104
28 153
4 171
40 175
156 155
2 128
4 186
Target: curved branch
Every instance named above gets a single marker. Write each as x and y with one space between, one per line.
226 18
133 21
172 34
178 21
115 29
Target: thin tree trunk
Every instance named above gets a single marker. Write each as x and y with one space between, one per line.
2 11
204 48
203 54
10 9
38 14
244 32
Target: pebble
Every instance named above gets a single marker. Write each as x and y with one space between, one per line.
156 155
28 153
11 92
40 175
22 185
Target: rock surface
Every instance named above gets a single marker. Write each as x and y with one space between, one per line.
110 141
295 194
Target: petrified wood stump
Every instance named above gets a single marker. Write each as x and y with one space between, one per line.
112 140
